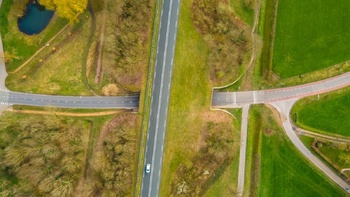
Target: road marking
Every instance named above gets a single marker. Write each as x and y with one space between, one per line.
254 97
160 95
234 98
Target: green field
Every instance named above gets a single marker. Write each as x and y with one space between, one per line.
310 35
244 9
283 171
330 114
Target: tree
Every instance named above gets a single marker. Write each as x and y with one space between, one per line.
69 9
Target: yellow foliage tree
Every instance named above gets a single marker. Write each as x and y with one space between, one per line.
69 9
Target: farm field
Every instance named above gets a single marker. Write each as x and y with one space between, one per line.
329 115
283 171
310 35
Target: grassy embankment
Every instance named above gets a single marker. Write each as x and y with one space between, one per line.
328 113
308 38
19 46
77 160
57 69
244 9
281 170
78 48
192 128
267 30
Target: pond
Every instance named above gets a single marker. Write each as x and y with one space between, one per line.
35 19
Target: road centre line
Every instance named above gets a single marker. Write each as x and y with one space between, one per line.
160 95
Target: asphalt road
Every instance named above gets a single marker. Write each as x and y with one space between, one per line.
242 150
283 100
284 108
8 98
160 97
236 99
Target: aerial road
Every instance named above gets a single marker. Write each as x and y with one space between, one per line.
283 99
8 98
160 98
236 99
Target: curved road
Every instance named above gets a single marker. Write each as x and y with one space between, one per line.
283 99
160 97
237 99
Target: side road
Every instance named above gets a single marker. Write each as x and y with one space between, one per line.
283 99
242 151
8 98
284 108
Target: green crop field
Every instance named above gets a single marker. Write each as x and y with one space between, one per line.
310 35
283 171
330 114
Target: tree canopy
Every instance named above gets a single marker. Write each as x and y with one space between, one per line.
69 9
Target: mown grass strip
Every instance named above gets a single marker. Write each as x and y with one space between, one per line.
283 170
327 113
270 14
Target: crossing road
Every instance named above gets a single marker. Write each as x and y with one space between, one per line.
9 98
236 99
283 99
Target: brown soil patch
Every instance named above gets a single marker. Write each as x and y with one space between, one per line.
104 113
216 117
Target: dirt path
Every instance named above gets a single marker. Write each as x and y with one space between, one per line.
248 72
304 132
100 47
103 113
255 48
38 51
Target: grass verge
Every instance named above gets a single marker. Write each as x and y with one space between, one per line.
244 9
57 69
226 185
268 33
327 113
283 171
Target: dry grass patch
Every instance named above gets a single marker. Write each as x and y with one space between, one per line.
57 71
227 36
113 163
125 47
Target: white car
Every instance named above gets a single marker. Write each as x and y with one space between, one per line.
148 168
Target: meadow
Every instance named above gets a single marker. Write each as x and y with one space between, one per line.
72 63
327 114
283 171
310 35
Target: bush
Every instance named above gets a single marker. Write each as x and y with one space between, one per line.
226 35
